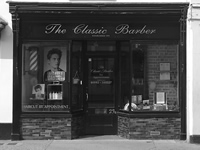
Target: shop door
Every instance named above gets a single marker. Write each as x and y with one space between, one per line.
100 111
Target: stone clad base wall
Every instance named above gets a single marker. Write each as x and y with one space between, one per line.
55 128
5 131
51 128
149 128
195 139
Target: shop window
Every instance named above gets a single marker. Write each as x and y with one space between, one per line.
44 76
154 77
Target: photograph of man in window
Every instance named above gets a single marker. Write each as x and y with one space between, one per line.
55 72
38 91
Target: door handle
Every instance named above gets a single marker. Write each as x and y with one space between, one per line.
86 96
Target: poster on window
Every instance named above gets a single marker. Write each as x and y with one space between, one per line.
38 91
54 63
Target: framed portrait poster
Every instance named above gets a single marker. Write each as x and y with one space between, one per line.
55 58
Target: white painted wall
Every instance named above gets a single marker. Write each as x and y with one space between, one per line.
189 76
193 69
6 60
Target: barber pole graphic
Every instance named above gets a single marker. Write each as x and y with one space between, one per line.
33 65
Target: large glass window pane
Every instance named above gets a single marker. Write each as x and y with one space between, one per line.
101 81
138 77
149 76
155 77
44 76
125 75
76 74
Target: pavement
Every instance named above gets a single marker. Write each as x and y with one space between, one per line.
98 143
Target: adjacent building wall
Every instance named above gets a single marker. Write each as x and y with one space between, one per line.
6 65
6 59
193 72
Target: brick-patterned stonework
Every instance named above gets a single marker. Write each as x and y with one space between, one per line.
123 127
149 128
56 128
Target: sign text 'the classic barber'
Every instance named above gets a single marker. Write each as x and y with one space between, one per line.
85 29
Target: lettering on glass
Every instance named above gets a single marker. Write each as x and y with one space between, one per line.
55 28
84 29
56 76
125 29
101 71
46 106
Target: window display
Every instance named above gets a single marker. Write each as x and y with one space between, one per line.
154 77
44 71
54 92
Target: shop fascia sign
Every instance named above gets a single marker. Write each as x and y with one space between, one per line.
85 29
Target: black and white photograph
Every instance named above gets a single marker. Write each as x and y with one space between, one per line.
100 74
54 63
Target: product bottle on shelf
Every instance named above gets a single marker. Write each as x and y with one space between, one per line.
53 97
50 95
56 95
60 95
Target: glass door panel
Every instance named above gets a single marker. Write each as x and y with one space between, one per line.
101 117
101 82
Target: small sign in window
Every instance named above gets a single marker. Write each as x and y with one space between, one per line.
101 111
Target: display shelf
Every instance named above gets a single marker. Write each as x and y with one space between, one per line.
36 99
161 81
171 71
55 99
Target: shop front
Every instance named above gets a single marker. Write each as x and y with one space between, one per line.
85 69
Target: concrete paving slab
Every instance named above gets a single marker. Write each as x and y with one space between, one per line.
101 137
101 145
25 145
98 143
175 145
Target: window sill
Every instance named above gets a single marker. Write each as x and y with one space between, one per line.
150 114
43 115
51 114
